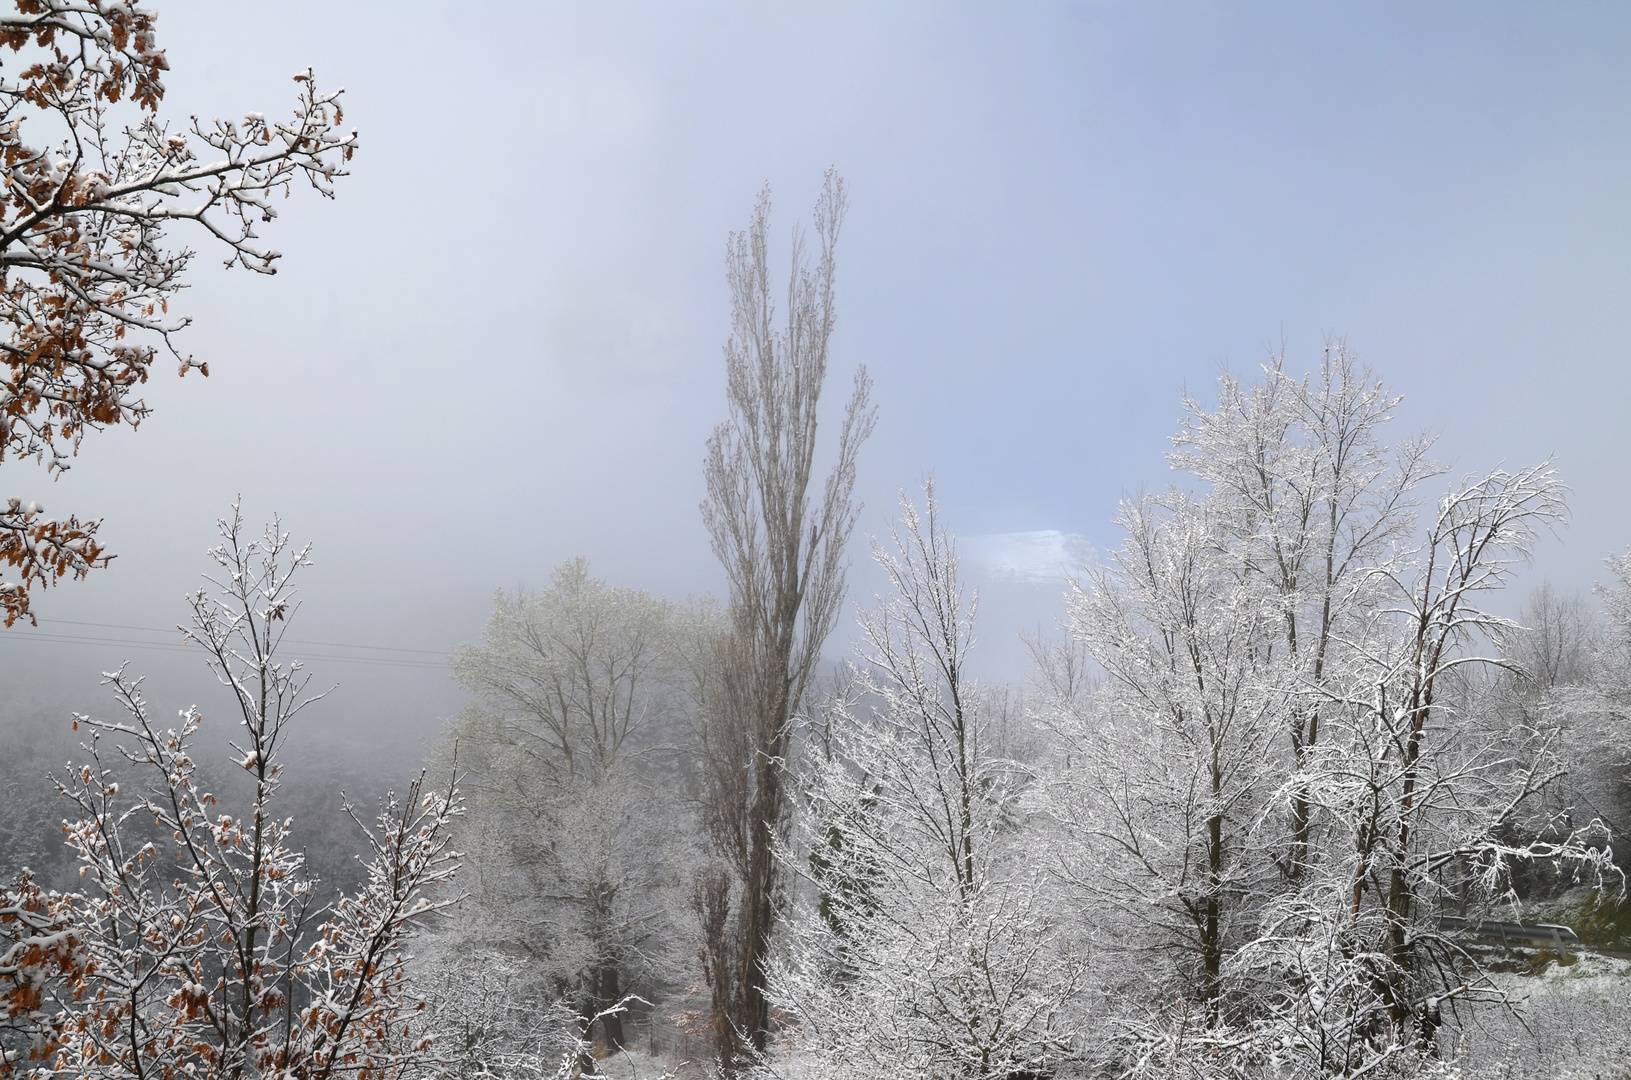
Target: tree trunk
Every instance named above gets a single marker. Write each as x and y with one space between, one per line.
1212 927
611 1025
711 900
757 904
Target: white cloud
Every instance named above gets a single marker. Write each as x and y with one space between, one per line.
1047 556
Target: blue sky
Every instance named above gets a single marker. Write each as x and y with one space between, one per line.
500 346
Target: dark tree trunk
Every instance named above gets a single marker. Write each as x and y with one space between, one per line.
712 902
757 904
1212 926
611 1025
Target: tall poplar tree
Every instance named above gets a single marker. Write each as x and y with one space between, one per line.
782 547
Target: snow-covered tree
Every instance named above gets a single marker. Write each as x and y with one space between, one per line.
1572 669
1558 666
1560 643
93 177
1610 676
43 962
199 945
490 1023
1310 499
573 857
1420 784
1166 777
928 949
1221 613
1292 767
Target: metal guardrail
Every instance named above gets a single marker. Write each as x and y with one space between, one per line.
1512 935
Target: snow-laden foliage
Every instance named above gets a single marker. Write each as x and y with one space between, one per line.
92 178
1299 758
1603 696
1421 786
573 855
42 959
199 945
1570 1026
1169 777
927 948
489 1026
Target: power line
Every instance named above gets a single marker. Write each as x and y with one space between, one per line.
159 646
291 641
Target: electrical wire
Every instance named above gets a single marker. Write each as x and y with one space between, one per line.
35 634
291 641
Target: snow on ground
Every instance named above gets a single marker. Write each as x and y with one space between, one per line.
1574 1023
633 1065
